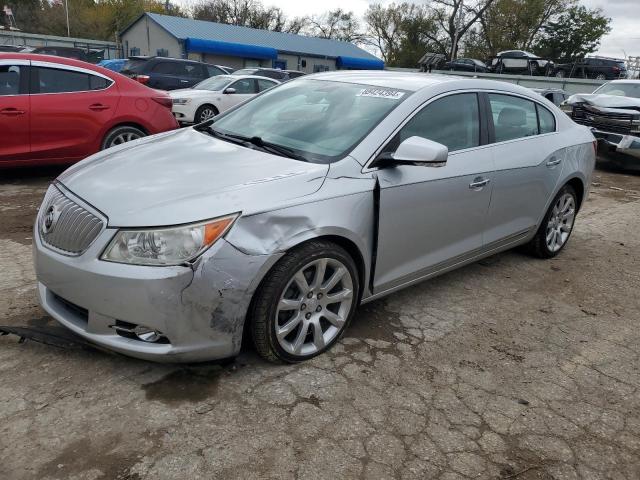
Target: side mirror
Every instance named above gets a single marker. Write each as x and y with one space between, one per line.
229 90
415 151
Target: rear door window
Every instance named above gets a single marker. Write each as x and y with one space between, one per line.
265 84
244 86
170 68
513 117
55 80
10 79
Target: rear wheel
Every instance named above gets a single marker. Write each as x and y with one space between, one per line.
557 225
305 303
560 74
601 76
120 135
204 113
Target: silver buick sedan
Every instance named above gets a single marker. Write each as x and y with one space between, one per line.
280 216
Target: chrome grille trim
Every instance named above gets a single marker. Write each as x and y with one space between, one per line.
75 229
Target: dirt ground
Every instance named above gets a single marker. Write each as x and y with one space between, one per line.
509 368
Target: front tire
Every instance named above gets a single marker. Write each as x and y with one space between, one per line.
557 225
204 113
305 303
120 135
560 74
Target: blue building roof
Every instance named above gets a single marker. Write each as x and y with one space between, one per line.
187 28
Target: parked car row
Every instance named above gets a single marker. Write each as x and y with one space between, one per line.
526 63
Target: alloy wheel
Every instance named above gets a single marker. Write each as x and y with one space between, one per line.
314 307
206 114
124 138
560 222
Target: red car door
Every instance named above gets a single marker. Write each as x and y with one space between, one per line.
70 107
14 110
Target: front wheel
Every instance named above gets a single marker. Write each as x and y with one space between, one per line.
557 225
305 303
204 113
122 134
560 74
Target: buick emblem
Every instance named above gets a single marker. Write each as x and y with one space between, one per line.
50 219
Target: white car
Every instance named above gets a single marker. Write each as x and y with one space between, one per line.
215 95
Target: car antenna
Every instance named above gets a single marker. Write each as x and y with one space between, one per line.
201 127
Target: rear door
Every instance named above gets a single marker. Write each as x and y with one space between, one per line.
528 163
15 110
170 74
70 107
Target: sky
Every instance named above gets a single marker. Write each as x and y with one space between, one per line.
625 15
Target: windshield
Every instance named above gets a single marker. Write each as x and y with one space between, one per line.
319 120
620 89
214 84
246 71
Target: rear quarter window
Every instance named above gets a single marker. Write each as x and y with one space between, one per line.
546 120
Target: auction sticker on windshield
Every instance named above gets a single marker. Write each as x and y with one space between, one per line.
381 93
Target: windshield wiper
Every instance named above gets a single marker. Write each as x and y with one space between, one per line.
277 149
244 140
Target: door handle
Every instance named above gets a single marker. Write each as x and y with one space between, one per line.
553 161
98 107
478 183
12 111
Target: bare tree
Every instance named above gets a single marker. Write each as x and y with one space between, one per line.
455 18
335 24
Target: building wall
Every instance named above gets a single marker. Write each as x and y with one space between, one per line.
147 36
305 63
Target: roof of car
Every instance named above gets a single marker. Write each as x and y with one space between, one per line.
416 81
402 80
54 59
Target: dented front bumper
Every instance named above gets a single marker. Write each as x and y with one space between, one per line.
626 144
198 309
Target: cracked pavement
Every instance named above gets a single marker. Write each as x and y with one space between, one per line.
509 368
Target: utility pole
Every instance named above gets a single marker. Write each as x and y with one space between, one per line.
66 7
458 27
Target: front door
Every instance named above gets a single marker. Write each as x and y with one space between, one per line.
433 217
14 110
243 89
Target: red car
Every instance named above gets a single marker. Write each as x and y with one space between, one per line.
57 110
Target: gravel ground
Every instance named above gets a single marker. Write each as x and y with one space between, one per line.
509 368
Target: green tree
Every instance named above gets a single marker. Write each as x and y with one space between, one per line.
517 24
574 34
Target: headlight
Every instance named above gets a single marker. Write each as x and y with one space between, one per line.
166 246
566 108
181 101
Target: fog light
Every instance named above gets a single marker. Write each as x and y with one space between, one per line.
139 332
146 335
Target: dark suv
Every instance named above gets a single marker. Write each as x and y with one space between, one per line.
168 73
274 73
598 68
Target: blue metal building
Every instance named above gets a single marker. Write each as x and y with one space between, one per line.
238 47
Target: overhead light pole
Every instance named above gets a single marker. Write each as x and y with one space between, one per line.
66 8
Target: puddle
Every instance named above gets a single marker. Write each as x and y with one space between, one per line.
184 385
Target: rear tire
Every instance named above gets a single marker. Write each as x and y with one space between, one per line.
204 113
601 76
300 310
120 135
557 225
560 74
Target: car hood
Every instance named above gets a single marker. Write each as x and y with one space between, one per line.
187 176
605 101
